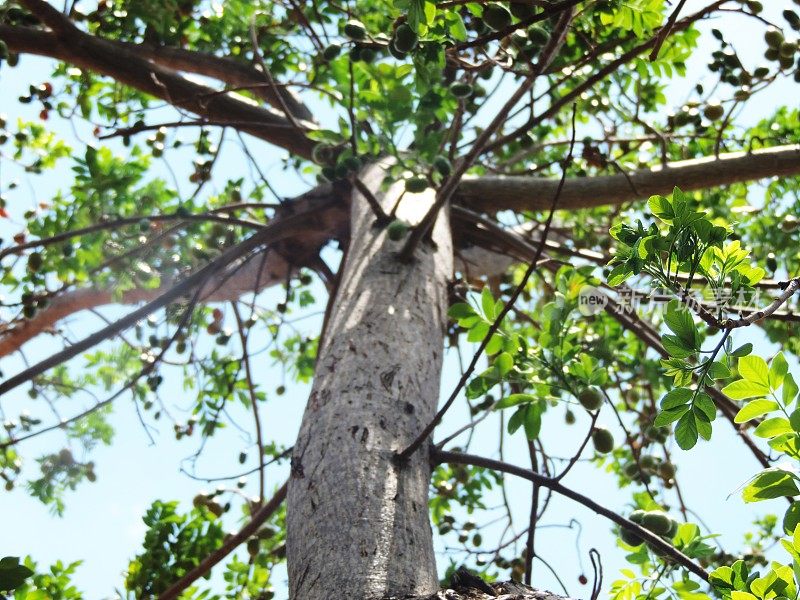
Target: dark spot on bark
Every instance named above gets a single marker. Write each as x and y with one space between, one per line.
297 468
351 346
364 435
353 431
409 408
382 423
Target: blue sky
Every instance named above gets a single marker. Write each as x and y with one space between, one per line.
102 523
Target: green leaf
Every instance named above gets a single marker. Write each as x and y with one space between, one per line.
754 409
681 323
743 350
706 406
533 421
770 428
675 397
460 310
676 346
12 574
718 370
504 363
743 389
517 419
686 431
661 207
668 416
514 400
778 370
769 484
789 391
487 303
754 368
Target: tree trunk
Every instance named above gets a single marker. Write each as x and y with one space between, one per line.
357 524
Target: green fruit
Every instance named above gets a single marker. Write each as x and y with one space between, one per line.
460 90
67 250
13 59
787 49
415 185
396 53
396 230
792 18
519 39
355 53
329 173
144 225
521 10
3 50
322 154
637 516
603 440
773 37
772 262
590 398
656 521
673 528
29 311
569 417
331 52
442 165
666 470
496 16
786 62
713 111
405 38
761 72
35 261
368 55
741 95
352 163
355 30
629 537
253 546
538 35
771 54
755 6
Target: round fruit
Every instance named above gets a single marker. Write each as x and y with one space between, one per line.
629 537
144 225
521 10
637 516
713 111
538 35
415 185
405 38
355 30
331 52
787 49
656 521
35 261
773 37
3 50
755 6
590 398
496 16
396 230
368 55
322 154
666 470
28 311
442 165
253 546
603 440
772 262
673 528
461 90
569 418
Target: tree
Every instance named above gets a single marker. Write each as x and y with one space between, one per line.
509 218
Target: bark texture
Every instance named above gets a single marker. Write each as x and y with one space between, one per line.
357 522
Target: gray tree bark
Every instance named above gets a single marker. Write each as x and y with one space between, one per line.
357 523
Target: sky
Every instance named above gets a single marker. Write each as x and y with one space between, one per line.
102 523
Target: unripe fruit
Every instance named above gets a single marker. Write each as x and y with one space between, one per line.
368 55
442 165
590 398
538 35
603 440
521 10
787 49
496 16
569 418
396 230
35 261
629 537
253 546
713 111
461 90
322 154
666 470
773 37
656 521
637 516
415 185
355 30
772 262
405 38
331 51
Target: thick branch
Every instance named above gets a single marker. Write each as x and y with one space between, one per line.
127 65
491 194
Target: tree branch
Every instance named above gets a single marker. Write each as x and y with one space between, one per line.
129 67
492 194
664 548
228 546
